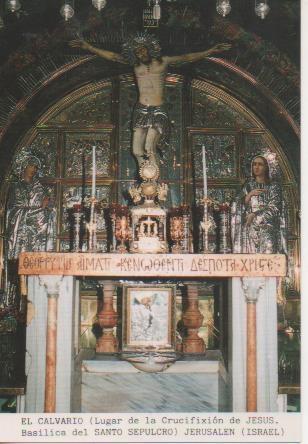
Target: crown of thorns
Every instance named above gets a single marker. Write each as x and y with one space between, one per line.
140 40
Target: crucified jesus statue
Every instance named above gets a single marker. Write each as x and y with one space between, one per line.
150 118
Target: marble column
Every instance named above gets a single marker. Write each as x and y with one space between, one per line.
251 287
108 319
192 319
52 284
68 373
266 342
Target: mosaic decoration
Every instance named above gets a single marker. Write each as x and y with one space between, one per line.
207 111
220 151
281 76
257 144
78 154
92 110
78 194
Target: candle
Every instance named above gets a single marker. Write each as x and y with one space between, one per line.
93 171
204 173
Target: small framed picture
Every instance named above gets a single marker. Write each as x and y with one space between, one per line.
149 317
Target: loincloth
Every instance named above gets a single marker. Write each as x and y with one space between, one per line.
152 117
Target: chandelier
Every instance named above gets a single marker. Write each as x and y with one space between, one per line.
67 10
13 5
223 7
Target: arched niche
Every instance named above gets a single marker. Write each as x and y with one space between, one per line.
201 112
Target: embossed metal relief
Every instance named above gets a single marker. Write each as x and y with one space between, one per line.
175 196
78 154
66 246
171 155
124 196
210 112
92 110
289 211
44 148
128 98
30 217
220 151
127 164
293 278
81 194
221 195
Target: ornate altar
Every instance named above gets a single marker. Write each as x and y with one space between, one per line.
149 219
152 225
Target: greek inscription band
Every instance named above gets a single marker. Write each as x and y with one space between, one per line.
76 264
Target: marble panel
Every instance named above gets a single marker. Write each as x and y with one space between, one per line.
116 386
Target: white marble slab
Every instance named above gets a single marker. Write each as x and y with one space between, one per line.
187 386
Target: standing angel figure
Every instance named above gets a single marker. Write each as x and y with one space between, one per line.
150 118
258 223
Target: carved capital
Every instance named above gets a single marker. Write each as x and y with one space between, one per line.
51 284
252 288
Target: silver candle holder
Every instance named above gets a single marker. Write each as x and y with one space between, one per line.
208 230
77 225
224 229
92 227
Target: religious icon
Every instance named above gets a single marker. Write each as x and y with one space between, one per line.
149 318
258 224
30 216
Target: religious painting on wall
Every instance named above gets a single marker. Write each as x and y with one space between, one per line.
149 318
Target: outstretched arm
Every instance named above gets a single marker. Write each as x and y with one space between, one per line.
195 56
108 55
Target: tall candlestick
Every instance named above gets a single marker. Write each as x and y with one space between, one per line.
204 173
93 172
